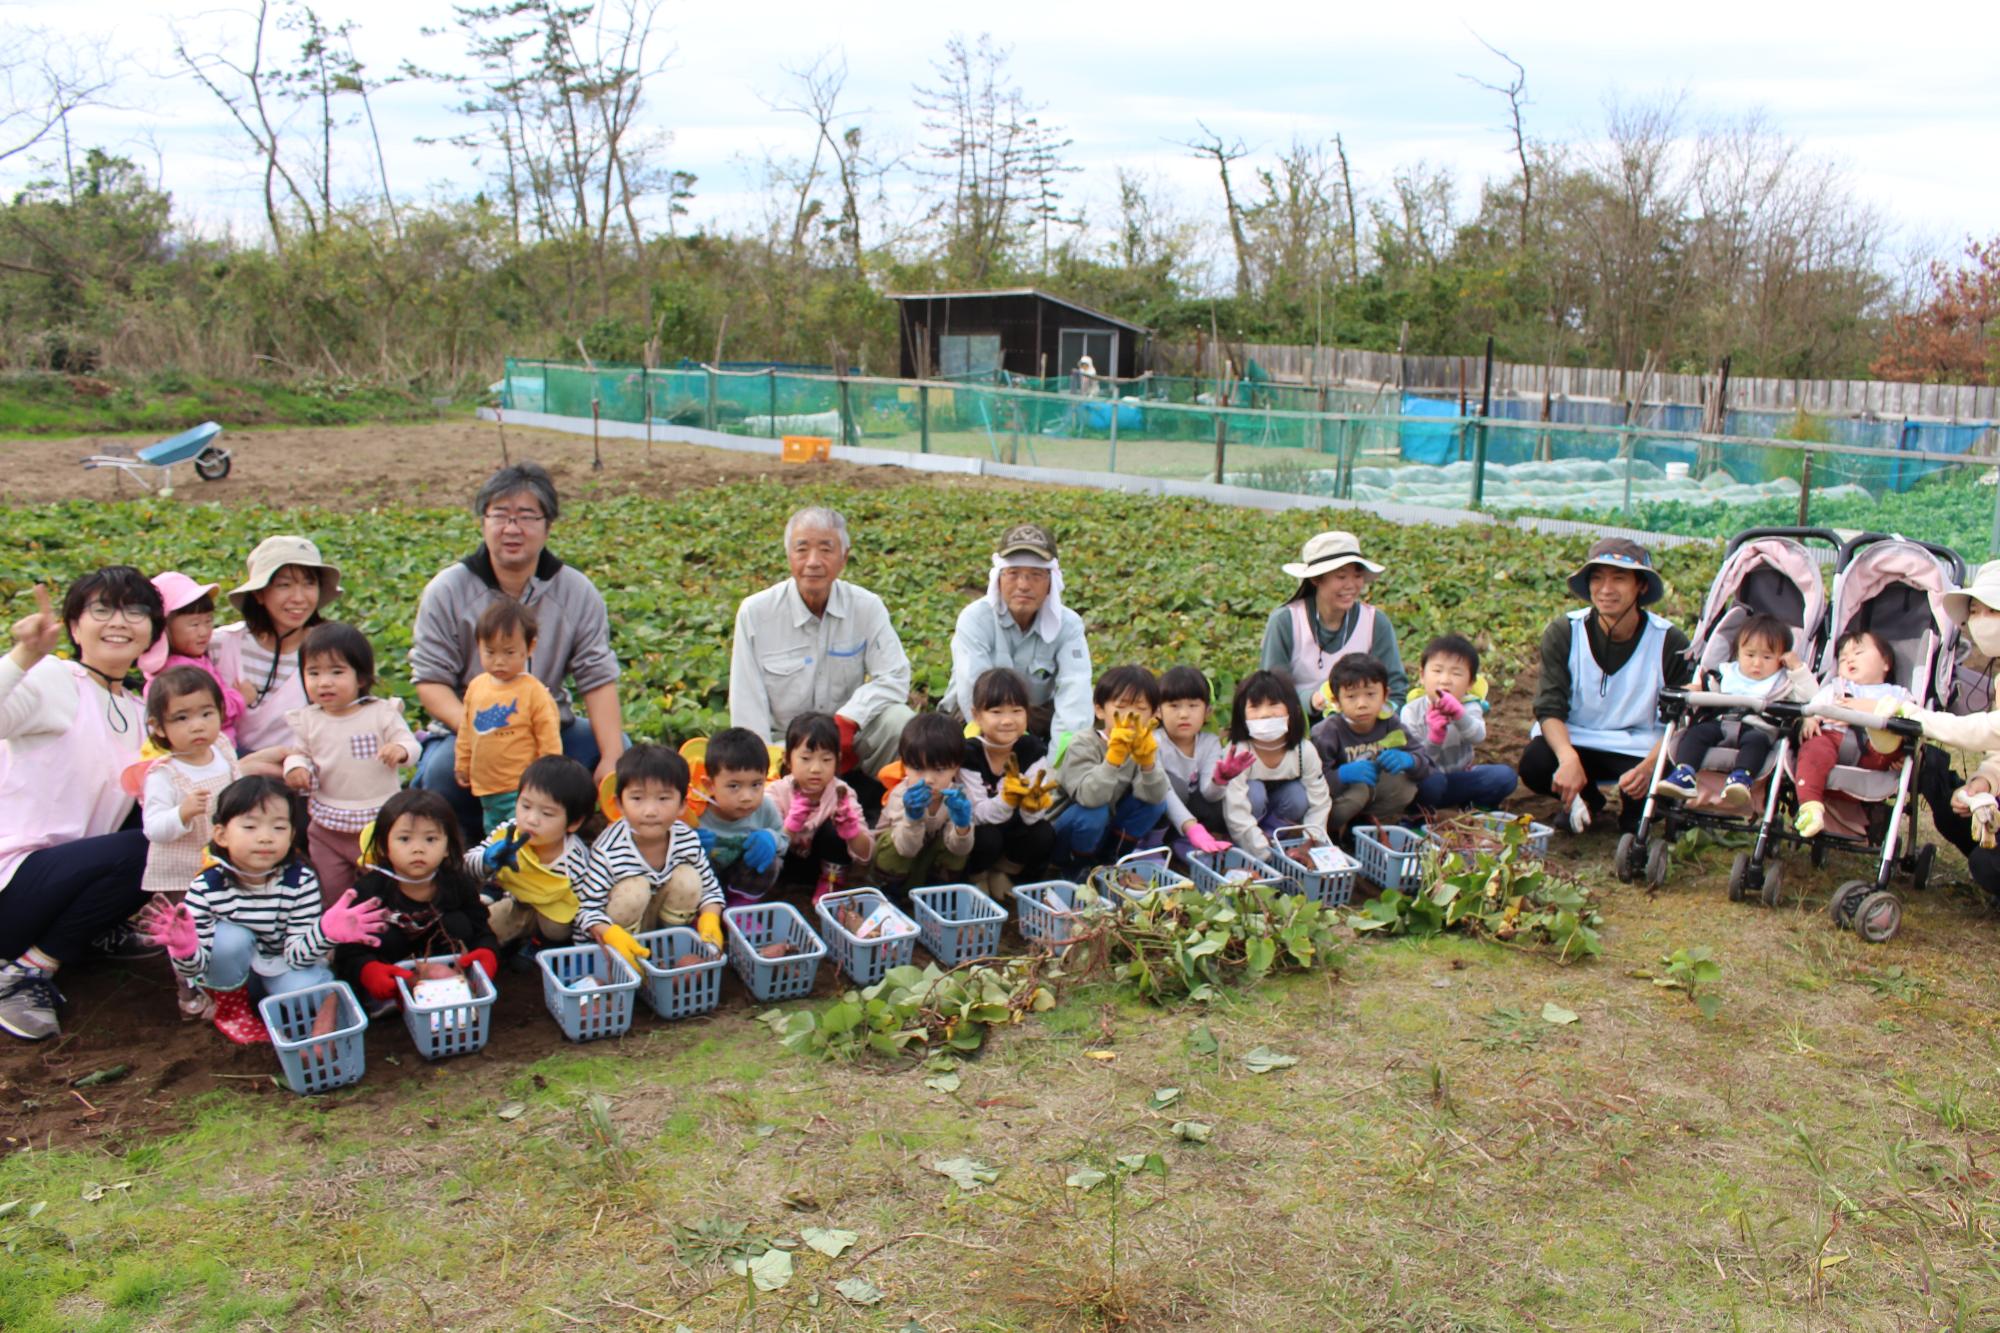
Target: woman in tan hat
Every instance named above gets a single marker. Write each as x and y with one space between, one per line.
287 586
1961 781
1327 618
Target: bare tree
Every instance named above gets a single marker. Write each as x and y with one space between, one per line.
839 150
1213 148
43 80
982 136
1295 225
1512 90
1353 213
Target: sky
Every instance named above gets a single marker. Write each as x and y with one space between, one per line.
1904 104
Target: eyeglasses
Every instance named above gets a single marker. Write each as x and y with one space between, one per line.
515 518
102 612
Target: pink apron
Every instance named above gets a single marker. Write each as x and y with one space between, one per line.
1310 664
68 788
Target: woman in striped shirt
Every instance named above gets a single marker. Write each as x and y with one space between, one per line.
287 588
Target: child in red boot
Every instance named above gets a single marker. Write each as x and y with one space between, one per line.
413 868
254 918
822 817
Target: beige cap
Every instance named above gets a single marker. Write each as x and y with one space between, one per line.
273 554
1328 551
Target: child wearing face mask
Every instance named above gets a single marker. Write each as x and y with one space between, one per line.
1866 662
1272 773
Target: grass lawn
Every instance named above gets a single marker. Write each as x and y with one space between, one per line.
1441 1156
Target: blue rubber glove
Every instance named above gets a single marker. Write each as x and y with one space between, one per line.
916 799
1357 770
1395 761
959 806
759 850
504 854
706 837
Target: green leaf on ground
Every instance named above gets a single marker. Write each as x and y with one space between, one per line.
1162 1098
1088 1178
830 1241
966 1172
859 1290
1555 1013
1201 1041
1263 1060
770 1271
1193 1131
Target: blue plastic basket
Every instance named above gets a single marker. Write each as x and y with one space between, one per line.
1210 869
1149 866
680 992
957 922
1329 888
441 1030
1391 856
752 927
1044 913
587 1013
865 960
317 1063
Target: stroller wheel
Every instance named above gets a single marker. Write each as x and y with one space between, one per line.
1625 861
1877 917
1920 867
1739 877
1657 863
1845 898
1774 884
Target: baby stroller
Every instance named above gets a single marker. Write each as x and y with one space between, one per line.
1894 586
1765 571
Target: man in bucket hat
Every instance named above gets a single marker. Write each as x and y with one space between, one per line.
1328 617
1022 623
1603 667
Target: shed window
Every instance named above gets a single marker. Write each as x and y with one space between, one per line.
967 354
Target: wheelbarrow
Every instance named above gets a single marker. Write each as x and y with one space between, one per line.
153 466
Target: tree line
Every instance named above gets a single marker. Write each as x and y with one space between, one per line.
1668 240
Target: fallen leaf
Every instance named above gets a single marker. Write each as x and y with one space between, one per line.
1102 1055
829 1241
1263 1060
1441 983
946 1083
769 1271
1555 1013
1089 1178
96 1077
1193 1131
1202 1042
1162 1098
966 1172
512 1110
763 1131
859 1290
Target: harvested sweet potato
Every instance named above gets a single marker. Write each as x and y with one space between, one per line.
435 971
690 960
778 950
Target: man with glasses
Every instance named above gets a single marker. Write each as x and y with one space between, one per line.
516 507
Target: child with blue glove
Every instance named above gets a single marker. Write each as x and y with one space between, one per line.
1376 771
1270 775
533 862
925 833
742 830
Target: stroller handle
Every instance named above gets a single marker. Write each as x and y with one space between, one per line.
1748 535
1854 717
1855 544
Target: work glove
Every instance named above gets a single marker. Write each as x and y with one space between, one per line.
1146 747
800 814
1040 795
1358 770
1202 840
849 729
504 854
619 939
379 979
1395 761
759 850
959 806
344 923
1450 707
916 799
1436 725
171 926
1984 810
1118 741
847 820
1012 785
709 927
483 957
1234 760
706 837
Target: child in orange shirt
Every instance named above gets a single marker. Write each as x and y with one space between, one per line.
510 717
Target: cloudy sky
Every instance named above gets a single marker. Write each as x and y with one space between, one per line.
1904 102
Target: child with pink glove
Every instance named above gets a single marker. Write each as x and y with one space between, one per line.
1446 715
1197 768
823 821
254 917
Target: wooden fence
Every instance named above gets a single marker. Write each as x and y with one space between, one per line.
1352 367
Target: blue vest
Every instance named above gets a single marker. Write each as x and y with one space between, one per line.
1619 713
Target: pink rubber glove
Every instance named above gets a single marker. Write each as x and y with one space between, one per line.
171 926
801 811
1204 841
847 820
1235 760
1436 724
1450 707
344 923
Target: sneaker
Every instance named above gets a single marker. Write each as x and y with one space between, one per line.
126 943
1812 818
28 1000
1579 815
1678 785
1736 791
523 960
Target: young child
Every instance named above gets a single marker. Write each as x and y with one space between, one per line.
254 918
926 824
1111 787
647 869
1004 770
535 860
1446 717
190 610
742 830
511 719
184 712
1362 742
1765 668
1194 793
414 870
1271 777
825 830
350 745
1865 661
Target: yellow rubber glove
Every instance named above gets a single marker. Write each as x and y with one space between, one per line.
709 927
1323 700
1146 748
1039 796
1118 744
1013 787
620 940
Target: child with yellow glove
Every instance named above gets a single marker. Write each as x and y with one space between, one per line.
647 869
1112 789
534 861
1007 778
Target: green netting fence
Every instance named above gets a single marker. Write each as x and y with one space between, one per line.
1361 448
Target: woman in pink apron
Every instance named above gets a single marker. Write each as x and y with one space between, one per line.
1326 619
70 868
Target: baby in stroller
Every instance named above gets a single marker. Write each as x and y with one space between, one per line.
1866 660
1765 669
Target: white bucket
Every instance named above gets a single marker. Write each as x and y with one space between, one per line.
1677 471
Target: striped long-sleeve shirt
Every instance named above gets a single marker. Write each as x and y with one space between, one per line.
615 857
283 915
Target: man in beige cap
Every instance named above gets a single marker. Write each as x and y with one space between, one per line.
1327 618
1022 623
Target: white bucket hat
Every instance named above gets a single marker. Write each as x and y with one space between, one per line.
1984 589
1328 551
273 554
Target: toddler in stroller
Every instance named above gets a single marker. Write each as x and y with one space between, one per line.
1766 669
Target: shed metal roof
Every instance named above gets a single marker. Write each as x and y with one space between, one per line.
1020 291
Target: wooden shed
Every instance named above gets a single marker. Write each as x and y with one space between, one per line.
1019 329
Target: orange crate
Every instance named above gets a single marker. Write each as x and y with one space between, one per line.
806 449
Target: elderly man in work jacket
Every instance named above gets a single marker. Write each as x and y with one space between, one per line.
815 644
1022 623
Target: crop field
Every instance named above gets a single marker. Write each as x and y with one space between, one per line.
1724 1116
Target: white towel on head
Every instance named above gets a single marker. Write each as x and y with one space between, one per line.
1048 621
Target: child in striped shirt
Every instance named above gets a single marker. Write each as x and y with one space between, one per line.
254 919
535 861
647 869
